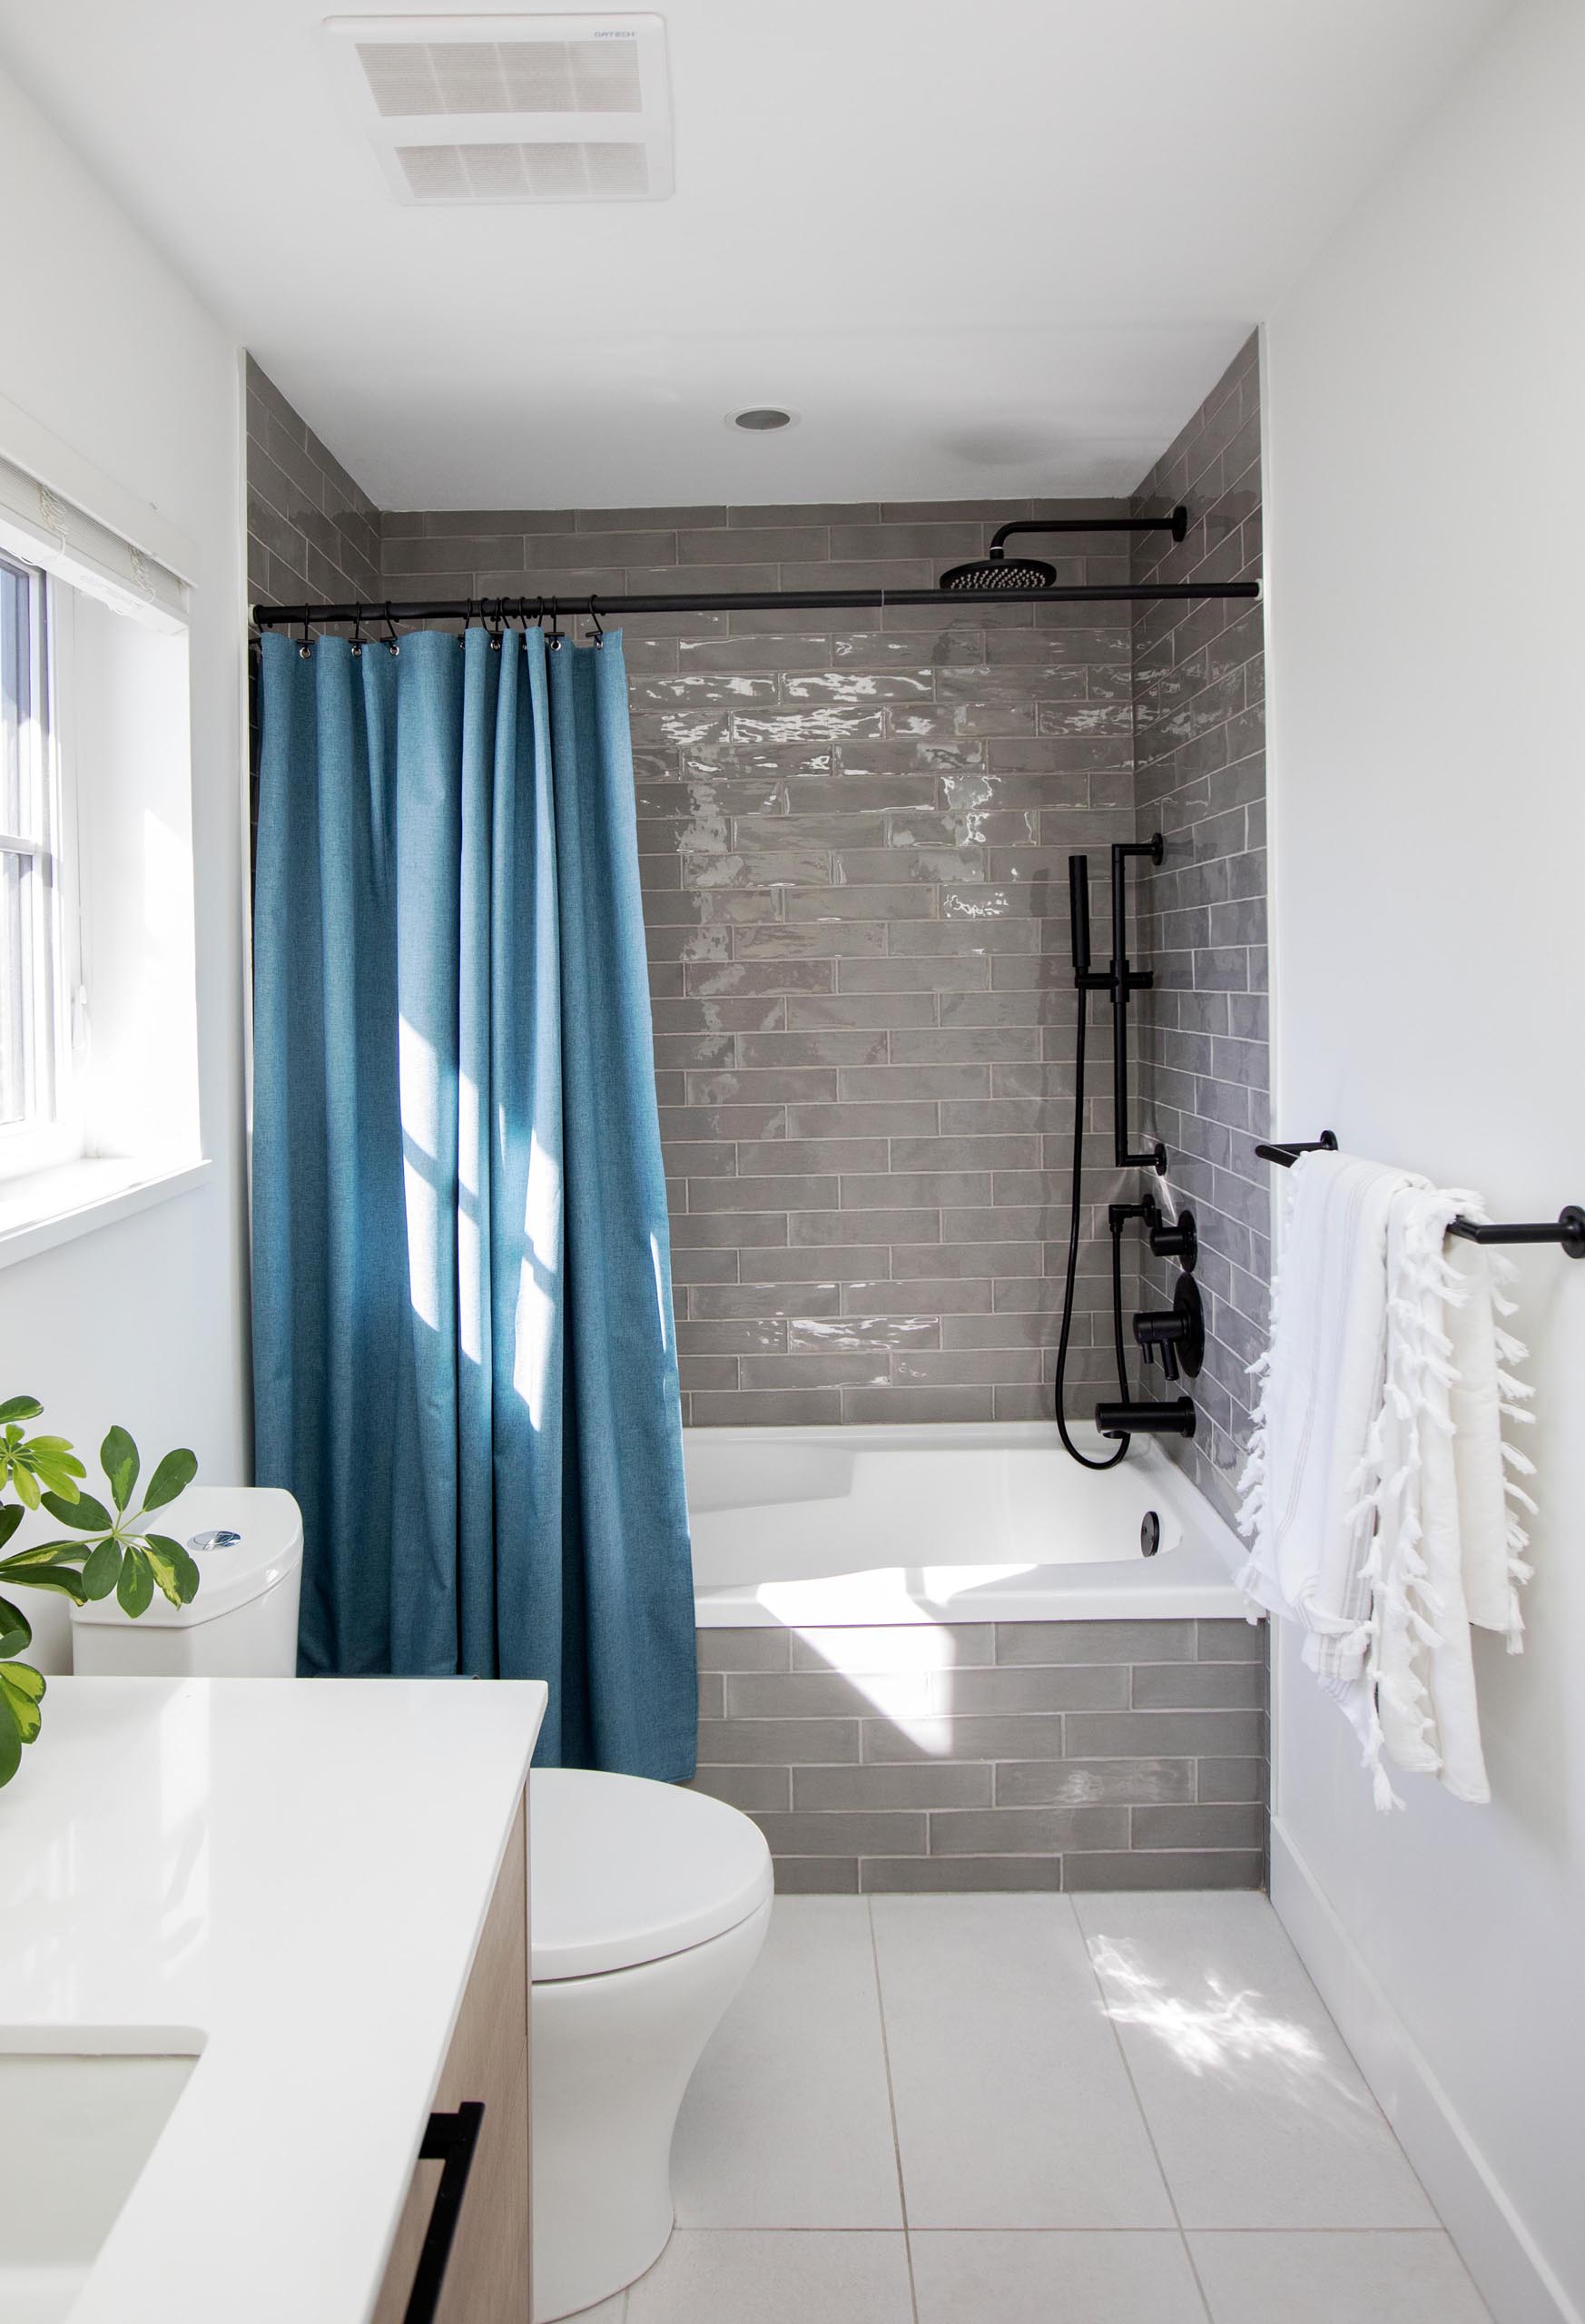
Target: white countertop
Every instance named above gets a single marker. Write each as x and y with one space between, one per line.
290 1878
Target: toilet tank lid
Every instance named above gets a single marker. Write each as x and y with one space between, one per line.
270 1525
625 1871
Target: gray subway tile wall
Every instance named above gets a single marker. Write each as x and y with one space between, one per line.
1199 748
853 834
312 532
993 1756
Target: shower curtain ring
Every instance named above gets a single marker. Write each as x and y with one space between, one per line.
358 635
393 642
305 650
594 617
554 641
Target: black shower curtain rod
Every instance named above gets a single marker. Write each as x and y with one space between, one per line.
741 601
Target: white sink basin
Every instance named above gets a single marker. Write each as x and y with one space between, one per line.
77 2127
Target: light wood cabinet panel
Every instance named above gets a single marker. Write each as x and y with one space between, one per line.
487 2280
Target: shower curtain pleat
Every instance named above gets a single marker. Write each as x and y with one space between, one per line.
465 1366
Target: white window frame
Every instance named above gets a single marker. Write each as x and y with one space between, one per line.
50 1129
126 1131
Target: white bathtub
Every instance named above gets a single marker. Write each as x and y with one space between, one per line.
818 1527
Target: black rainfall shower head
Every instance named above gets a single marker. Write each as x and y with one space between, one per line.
996 570
999 571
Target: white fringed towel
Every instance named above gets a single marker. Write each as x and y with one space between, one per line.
1376 1495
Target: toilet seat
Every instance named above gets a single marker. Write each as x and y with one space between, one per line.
624 1871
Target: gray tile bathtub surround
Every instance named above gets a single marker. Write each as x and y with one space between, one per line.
854 833
1199 737
312 532
994 1755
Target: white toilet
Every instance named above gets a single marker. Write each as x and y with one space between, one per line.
648 1907
242 1624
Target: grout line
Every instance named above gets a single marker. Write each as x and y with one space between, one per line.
891 2106
1144 2115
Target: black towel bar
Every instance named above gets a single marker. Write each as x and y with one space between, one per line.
1567 1229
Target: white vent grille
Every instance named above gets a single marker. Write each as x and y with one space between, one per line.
489 109
502 76
525 173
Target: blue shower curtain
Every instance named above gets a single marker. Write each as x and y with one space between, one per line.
464 1360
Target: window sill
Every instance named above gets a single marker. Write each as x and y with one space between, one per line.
56 1206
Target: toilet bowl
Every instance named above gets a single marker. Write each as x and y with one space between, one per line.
648 1907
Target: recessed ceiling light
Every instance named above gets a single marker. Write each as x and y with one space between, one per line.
761 418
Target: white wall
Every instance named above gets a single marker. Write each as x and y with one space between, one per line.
143 1320
1426 398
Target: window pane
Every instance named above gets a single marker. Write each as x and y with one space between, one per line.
16 875
15 700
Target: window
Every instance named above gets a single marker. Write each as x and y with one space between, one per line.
34 1096
99 1094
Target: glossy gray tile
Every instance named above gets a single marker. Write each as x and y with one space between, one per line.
813 793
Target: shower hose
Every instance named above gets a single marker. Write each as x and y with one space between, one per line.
1084 1459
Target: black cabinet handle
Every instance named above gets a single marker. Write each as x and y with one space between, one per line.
449 2139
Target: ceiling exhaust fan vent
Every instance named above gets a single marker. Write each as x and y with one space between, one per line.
490 109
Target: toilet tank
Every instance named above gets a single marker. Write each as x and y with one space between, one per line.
242 1624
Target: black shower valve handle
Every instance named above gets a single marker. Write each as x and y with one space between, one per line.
1175 1335
1171 1238
1158 1336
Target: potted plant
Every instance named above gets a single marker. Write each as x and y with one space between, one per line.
116 1549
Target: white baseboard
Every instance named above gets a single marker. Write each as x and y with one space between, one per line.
1511 2274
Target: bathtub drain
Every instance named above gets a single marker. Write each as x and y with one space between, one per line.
1150 1534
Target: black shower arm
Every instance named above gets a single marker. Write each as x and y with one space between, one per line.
1177 524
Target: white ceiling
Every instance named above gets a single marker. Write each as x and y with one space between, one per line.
994 249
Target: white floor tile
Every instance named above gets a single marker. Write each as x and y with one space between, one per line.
745 2279
788 2124
1259 2114
1338 2278
1013 2106
1034 2278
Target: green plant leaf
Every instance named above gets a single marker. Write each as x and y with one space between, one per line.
10 1518
59 1470
10 1741
174 1570
49 1574
58 1479
103 1569
20 1408
135 1588
22 1691
173 1475
25 1484
89 1516
43 1553
118 1457
16 1630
